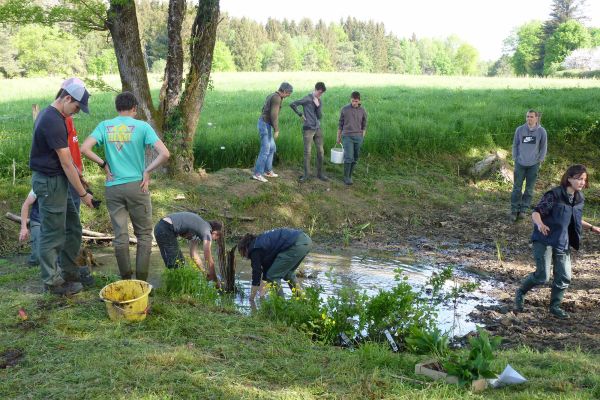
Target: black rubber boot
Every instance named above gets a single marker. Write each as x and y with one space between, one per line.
347 173
556 297
122 256
142 262
525 287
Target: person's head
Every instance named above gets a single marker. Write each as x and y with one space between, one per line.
66 83
285 89
245 243
532 117
125 102
319 89
216 229
575 177
73 97
355 99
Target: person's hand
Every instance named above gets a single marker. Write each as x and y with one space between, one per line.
87 200
276 134
145 182
109 175
339 140
23 234
544 229
595 229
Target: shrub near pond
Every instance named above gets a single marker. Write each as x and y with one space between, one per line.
350 313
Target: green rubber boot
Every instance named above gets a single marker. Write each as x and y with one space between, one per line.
122 256
556 297
525 287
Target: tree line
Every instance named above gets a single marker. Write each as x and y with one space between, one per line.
535 48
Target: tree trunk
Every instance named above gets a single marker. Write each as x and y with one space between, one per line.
182 120
174 68
123 27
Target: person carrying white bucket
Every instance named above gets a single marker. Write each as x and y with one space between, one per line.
351 132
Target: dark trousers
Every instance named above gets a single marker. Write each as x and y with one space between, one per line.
168 245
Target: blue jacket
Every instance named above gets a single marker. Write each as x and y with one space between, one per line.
266 247
564 221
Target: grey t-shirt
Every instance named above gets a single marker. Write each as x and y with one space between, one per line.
190 226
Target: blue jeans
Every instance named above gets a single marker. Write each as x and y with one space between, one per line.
264 161
520 201
352 146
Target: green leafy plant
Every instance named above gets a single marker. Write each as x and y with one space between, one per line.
428 341
477 363
188 280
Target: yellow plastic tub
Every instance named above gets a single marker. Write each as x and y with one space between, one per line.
127 300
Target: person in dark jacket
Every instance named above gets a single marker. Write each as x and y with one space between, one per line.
311 115
274 255
558 225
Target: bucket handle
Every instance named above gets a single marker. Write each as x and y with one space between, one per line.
341 145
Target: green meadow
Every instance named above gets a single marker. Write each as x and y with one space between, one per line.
410 116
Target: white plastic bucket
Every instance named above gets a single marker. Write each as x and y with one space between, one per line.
337 155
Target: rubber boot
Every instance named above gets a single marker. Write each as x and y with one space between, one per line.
306 175
556 297
86 276
347 177
320 174
525 287
142 262
122 256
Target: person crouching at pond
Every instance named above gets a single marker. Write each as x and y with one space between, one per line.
192 227
558 224
529 149
274 255
351 132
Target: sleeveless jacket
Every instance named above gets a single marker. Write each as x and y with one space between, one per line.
564 221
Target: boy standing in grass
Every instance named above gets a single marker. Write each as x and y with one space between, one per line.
127 179
311 116
268 131
53 170
352 129
530 144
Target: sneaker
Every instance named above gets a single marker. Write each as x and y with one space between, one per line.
271 175
66 289
259 178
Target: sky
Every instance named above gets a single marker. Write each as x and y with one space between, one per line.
482 23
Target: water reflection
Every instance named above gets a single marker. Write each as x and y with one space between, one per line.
330 271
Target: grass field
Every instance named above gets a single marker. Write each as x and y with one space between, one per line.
408 115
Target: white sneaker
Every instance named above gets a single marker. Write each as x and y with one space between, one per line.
271 174
259 178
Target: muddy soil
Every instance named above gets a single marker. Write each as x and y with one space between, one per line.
486 243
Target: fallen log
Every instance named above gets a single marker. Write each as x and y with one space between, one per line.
86 233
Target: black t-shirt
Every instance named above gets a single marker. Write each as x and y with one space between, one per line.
49 134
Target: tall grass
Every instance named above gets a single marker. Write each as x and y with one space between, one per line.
408 115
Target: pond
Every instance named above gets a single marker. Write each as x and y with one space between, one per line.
368 272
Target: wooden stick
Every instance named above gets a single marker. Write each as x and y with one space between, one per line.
87 234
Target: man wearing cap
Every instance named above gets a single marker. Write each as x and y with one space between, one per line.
268 131
53 170
124 139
